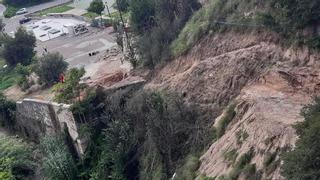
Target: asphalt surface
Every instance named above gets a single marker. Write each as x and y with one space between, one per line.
13 23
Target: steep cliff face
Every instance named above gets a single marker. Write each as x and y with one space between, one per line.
214 72
269 85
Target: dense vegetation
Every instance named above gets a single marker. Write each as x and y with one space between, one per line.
157 23
303 161
288 17
139 135
69 91
7 112
16 161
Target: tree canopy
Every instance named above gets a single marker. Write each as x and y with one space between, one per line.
157 23
122 5
19 49
97 7
50 66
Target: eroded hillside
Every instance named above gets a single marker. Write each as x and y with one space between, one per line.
268 85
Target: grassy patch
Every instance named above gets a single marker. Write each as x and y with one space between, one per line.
8 77
230 156
90 15
10 11
269 158
242 165
203 177
241 135
57 9
225 120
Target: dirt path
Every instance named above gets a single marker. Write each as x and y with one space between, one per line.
3 132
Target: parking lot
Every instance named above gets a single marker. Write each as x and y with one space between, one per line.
76 49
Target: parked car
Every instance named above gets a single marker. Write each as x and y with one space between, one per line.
21 11
24 20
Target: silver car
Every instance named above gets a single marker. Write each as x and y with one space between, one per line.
21 11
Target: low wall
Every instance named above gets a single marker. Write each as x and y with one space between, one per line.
36 118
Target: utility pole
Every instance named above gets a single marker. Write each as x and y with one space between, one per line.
131 51
106 4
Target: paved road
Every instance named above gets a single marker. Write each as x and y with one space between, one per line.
13 23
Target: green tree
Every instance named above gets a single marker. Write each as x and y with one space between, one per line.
303 162
19 49
49 68
96 6
142 15
122 5
296 14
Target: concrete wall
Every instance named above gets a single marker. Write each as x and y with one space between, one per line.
36 118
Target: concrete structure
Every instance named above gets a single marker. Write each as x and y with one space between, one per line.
50 28
36 118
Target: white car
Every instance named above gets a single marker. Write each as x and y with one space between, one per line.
21 11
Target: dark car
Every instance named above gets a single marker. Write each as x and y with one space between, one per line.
24 20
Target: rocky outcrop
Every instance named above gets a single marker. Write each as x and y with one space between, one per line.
36 118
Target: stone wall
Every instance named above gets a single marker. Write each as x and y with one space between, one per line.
37 118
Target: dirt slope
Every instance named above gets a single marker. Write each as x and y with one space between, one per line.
269 83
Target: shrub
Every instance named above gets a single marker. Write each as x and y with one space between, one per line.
10 11
16 160
303 161
269 158
249 171
189 168
68 91
241 164
231 155
50 67
225 120
241 135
